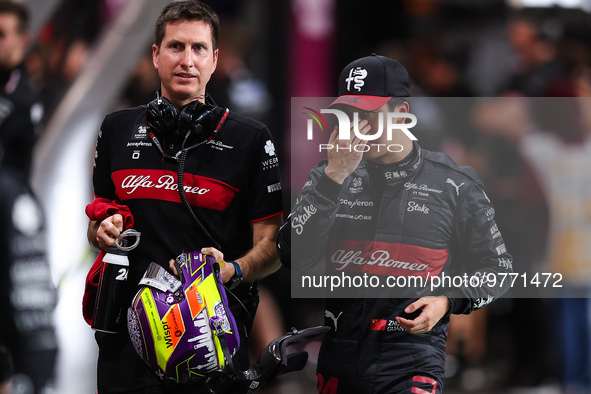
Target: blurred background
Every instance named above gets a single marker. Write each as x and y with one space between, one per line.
88 58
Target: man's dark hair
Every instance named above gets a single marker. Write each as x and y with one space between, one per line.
190 10
396 101
18 10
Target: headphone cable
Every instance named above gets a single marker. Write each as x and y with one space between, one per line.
181 160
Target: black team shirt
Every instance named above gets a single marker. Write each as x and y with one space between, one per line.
230 182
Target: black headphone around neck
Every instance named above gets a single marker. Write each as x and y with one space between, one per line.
196 117
199 122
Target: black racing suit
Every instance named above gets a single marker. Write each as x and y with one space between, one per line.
426 216
27 293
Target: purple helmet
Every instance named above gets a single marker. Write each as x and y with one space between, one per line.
183 329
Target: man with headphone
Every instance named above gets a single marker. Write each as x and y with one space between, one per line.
195 177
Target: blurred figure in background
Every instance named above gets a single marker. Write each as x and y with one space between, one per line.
27 295
234 84
523 214
62 48
27 292
536 65
20 109
561 154
552 134
141 85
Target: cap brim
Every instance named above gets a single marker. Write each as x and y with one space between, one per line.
365 103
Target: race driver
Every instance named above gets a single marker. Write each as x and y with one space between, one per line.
387 207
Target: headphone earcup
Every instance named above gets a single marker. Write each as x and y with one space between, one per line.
198 118
161 115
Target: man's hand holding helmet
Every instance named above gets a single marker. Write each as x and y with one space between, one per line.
229 271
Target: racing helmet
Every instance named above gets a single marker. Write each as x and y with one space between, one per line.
182 326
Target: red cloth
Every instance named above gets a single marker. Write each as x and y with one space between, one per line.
100 209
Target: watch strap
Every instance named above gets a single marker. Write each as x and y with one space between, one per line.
237 277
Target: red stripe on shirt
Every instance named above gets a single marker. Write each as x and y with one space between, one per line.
266 217
162 185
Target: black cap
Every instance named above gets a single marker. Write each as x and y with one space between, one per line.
370 82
